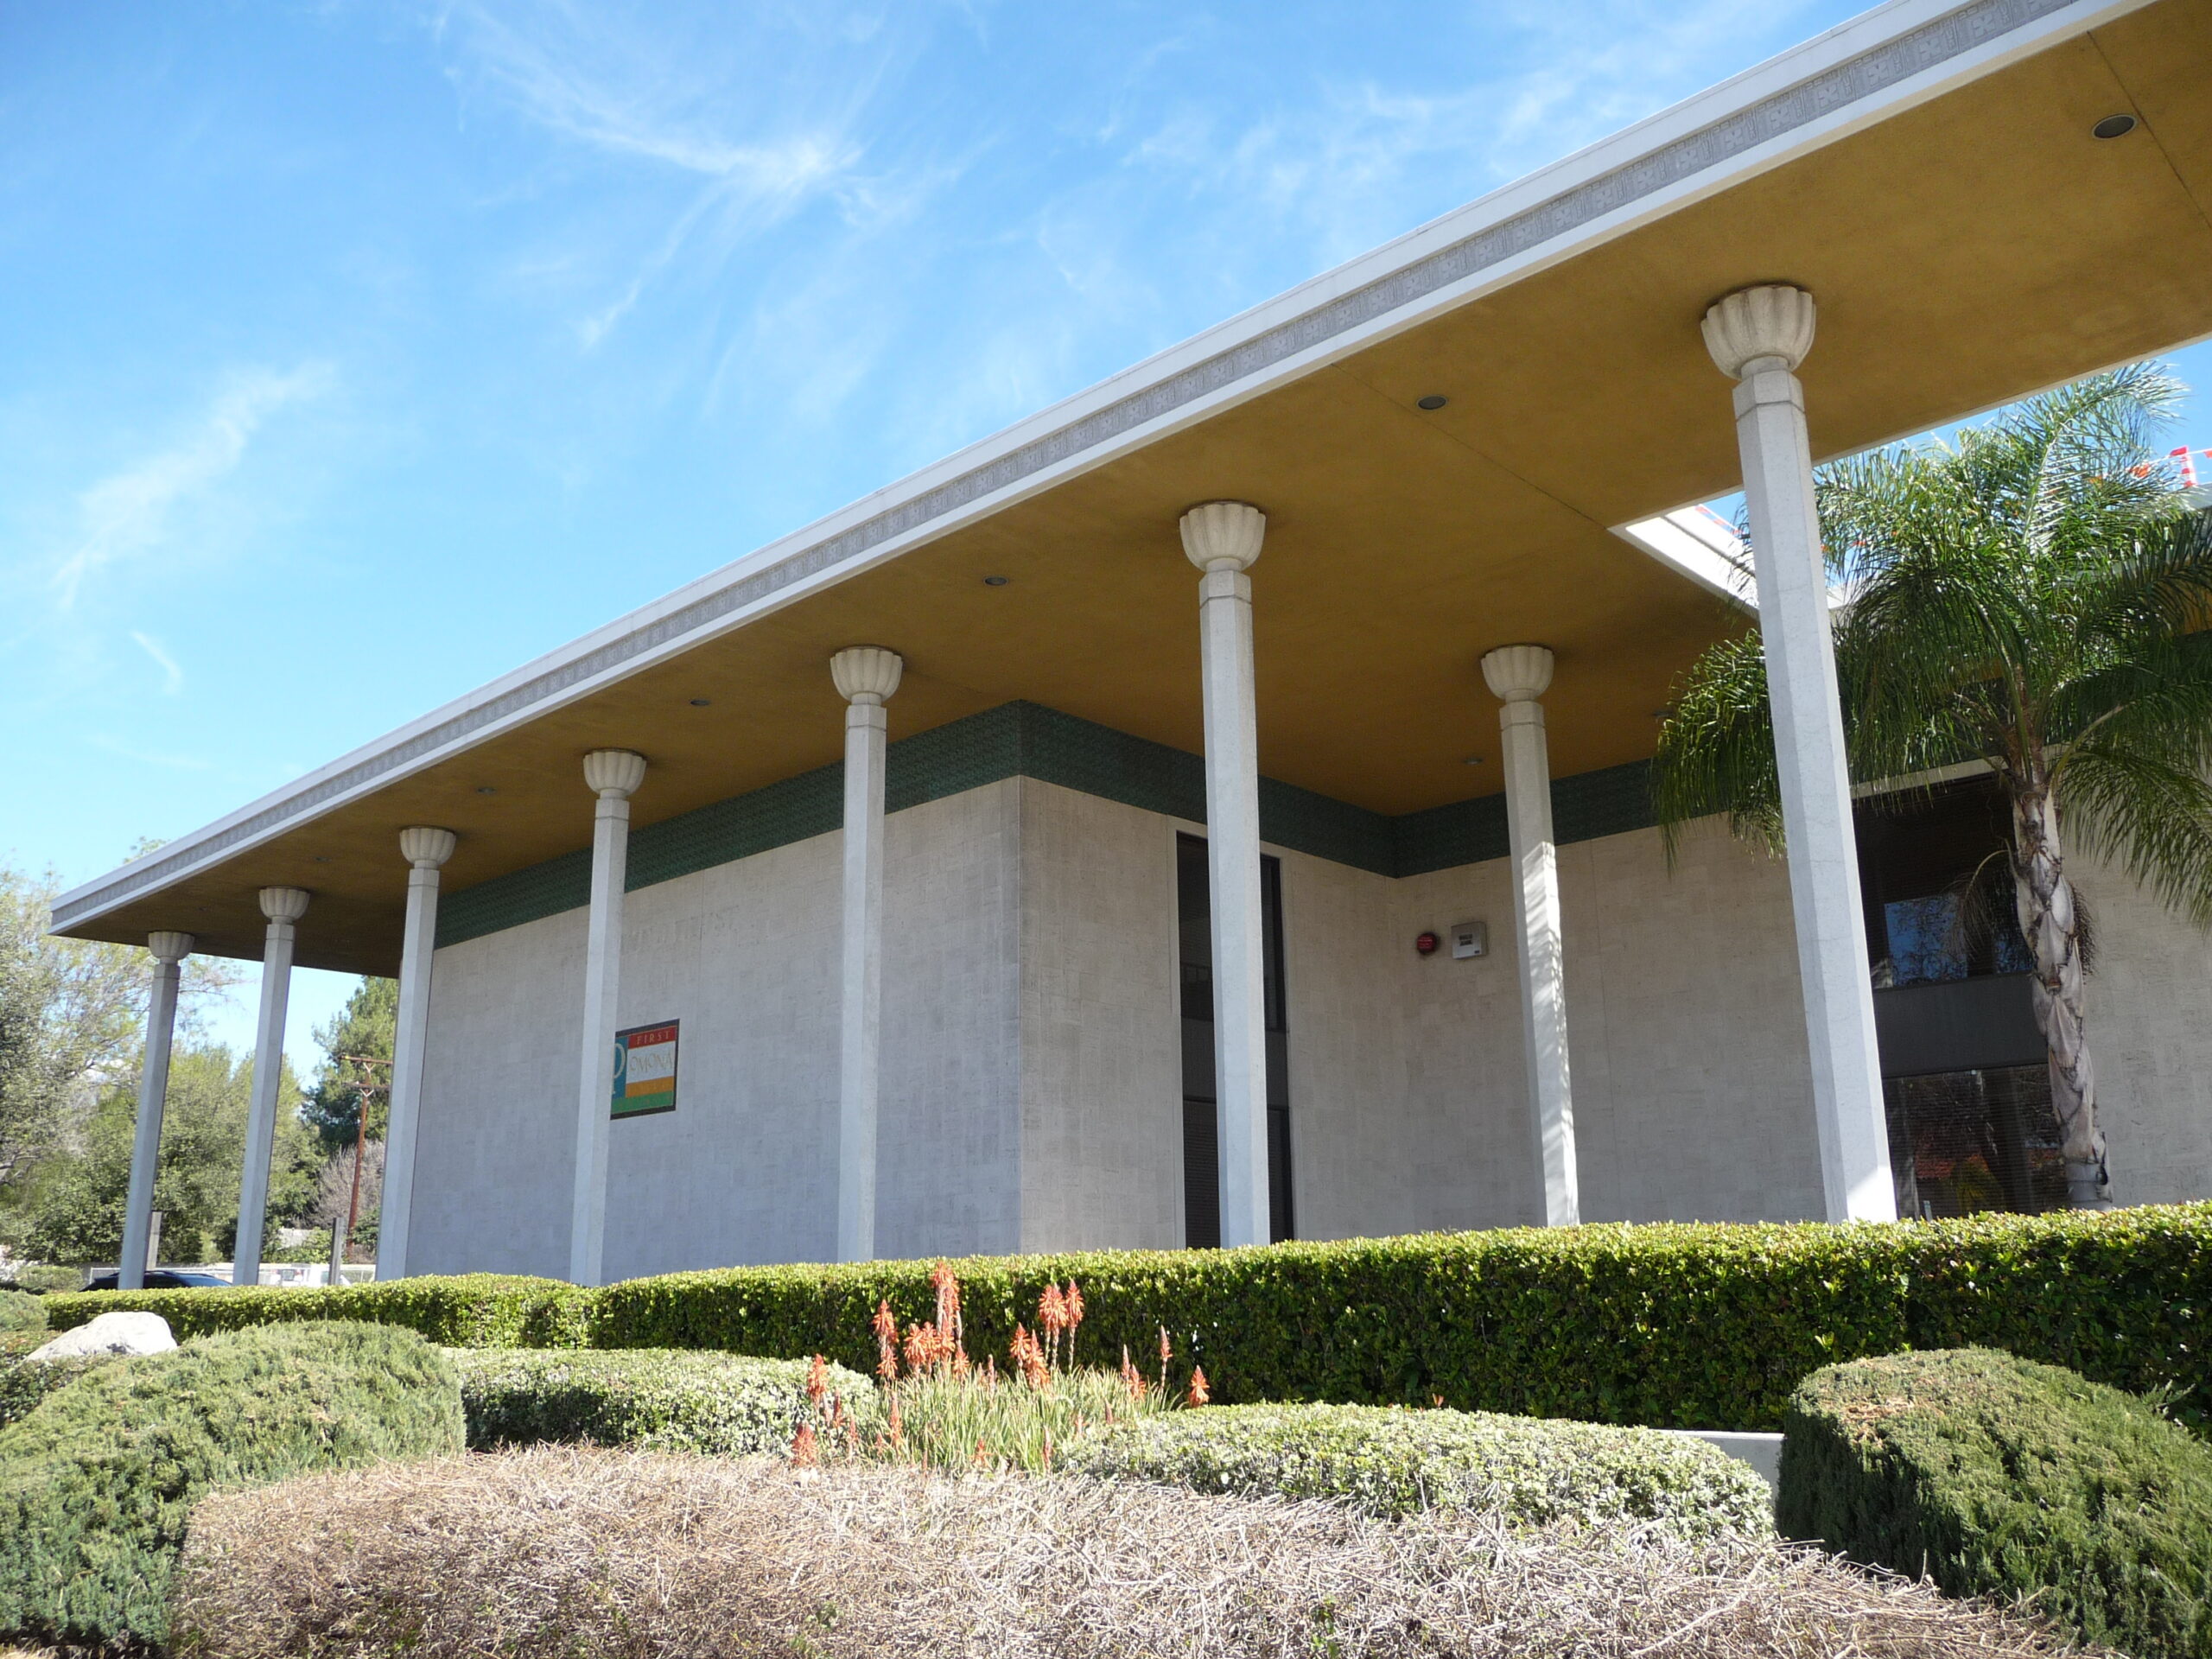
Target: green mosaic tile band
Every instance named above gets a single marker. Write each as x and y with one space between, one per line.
1027 740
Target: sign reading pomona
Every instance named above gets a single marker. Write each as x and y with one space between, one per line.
645 1070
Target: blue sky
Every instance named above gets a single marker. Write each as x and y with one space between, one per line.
355 353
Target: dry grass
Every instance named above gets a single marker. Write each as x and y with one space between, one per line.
620 1555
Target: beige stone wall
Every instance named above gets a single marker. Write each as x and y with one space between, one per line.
2149 1034
1032 1048
746 955
1102 1086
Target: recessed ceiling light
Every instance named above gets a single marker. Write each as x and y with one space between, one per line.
1434 400
2113 126
485 789
1474 760
996 582
700 702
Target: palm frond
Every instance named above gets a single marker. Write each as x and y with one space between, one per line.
2148 815
1716 749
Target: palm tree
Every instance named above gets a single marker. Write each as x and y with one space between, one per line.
2035 599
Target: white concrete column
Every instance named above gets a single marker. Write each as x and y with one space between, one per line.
613 775
1759 336
1223 538
169 952
1518 676
426 850
866 676
282 907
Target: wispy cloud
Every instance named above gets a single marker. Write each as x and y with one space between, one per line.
172 677
129 513
750 154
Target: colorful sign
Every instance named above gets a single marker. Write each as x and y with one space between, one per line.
645 1070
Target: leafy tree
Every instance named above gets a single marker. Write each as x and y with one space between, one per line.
72 1015
364 1025
77 1202
2035 599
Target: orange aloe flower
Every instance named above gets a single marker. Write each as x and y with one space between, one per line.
897 1429
982 1459
1166 1353
1130 1380
1199 1394
887 1342
817 1381
805 1453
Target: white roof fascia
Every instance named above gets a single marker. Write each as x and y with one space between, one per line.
1862 71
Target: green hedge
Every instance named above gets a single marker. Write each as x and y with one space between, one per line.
97 1483
1668 1325
476 1310
727 1405
1997 1476
1391 1462
1701 1327
20 1312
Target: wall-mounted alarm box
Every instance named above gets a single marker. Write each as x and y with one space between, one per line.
1469 939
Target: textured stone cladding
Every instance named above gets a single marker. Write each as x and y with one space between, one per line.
1027 740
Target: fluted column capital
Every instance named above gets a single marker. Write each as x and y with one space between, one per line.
170 947
1767 327
1518 673
614 774
426 848
1222 534
284 904
866 675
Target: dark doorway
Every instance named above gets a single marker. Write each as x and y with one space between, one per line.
1201 1114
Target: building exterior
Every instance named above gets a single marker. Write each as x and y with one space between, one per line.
934 881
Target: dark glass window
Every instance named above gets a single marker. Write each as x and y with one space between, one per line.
1964 1141
1935 872
1201 1115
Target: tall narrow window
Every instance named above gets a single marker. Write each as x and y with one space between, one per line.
1201 1111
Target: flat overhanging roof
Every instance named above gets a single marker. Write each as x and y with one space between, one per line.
1926 170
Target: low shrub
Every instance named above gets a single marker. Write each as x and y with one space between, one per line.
21 1312
1692 1326
97 1481
632 1556
658 1400
24 1382
1390 1462
1997 1476
476 1310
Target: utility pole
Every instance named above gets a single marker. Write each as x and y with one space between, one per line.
366 1085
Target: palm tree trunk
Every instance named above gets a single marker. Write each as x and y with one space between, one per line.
2051 924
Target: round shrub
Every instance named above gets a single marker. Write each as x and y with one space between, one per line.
1384 1461
95 1482
662 1400
1996 1476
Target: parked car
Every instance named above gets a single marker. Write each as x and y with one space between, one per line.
162 1279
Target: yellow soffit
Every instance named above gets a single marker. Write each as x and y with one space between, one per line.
1926 170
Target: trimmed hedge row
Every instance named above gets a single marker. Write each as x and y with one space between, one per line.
97 1483
1671 1325
475 1309
723 1405
1389 1462
2000 1477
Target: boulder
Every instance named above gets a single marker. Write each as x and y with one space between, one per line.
111 1333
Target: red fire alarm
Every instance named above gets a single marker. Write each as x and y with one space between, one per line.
1426 945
